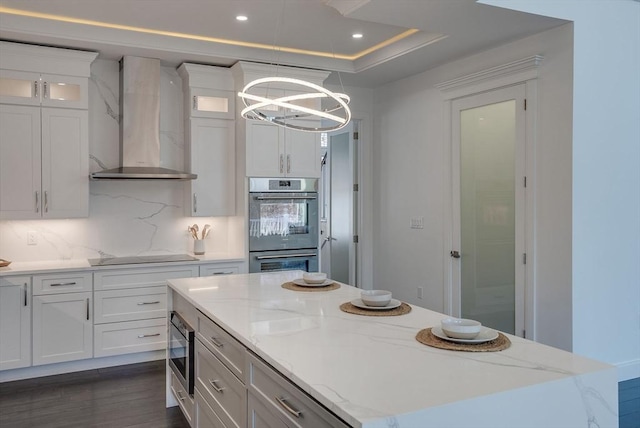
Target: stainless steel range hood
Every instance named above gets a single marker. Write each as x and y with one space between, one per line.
140 124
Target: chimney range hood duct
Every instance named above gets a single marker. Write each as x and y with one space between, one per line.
140 125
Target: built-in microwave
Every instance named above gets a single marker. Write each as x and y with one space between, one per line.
181 351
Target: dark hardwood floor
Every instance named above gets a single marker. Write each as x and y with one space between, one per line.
117 397
133 396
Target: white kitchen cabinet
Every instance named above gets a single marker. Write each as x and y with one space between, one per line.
215 269
47 90
15 322
129 337
44 137
271 150
209 112
212 157
62 328
67 282
274 151
44 163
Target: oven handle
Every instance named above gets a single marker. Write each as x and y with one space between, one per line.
286 256
270 198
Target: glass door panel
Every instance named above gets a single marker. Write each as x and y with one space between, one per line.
487 214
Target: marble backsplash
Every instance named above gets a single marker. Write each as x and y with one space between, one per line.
125 217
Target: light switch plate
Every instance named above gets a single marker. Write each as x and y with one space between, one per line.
416 223
32 237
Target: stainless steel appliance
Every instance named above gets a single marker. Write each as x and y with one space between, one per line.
283 224
181 351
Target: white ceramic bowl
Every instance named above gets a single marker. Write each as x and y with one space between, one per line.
375 297
314 277
460 328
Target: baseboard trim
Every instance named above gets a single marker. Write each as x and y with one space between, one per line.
628 370
76 366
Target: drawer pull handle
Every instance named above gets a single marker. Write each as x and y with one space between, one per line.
148 303
180 396
222 273
288 408
215 385
141 336
60 284
216 342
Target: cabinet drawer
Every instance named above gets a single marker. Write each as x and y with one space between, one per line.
184 400
205 416
260 416
129 337
292 405
223 391
141 277
223 345
214 270
130 305
70 282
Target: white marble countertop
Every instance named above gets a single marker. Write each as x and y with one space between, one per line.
60 266
371 372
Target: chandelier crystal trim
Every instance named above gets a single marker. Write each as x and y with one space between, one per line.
283 111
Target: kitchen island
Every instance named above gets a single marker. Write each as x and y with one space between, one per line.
372 372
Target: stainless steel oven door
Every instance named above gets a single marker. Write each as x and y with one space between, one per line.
279 221
181 351
272 261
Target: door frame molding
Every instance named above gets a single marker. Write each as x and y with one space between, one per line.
523 71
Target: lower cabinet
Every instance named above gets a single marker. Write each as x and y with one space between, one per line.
205 416
129 337
259 415
220 388
15 322
185 401
62 328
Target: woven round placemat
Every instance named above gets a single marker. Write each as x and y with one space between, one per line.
426 337
295 287
400 310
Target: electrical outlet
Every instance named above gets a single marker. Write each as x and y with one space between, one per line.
420 290
416 223
32 237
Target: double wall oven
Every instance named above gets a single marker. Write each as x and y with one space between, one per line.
283 224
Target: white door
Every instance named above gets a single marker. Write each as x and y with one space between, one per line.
20 162
65 163
339 209
265 150
62 328
213 159
302 153
488 173
15 322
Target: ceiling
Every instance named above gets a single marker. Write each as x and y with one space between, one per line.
400 37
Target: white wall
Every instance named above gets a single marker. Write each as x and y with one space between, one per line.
126 217
409 173
606 176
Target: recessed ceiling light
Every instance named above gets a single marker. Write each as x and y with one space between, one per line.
241 18
357 36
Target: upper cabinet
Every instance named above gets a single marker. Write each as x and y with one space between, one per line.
271 150
27 88
44 132
209 110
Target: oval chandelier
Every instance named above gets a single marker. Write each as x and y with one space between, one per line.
283 111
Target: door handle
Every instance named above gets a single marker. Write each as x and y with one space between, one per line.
288 164
455 254
26 294
37 202
46 202
87 309
286 256
195 203
283 402
281 164
327 239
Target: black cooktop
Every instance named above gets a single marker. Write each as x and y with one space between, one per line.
135 260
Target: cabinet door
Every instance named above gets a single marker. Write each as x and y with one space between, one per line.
213 159
15 323
19 87
212 103
65 163
259 416
302 153
265 150
65 91
219 269
62 328
20 166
